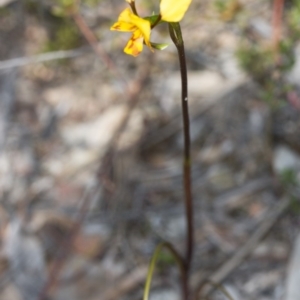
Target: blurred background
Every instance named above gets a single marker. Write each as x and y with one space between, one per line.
91 150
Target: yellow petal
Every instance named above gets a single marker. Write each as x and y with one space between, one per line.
144 26
173 10
122 26
135 45
125 16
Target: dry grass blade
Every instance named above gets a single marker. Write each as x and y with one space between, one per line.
92 40
244 251
27 60
66 246
125 285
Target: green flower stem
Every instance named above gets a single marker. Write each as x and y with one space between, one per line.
176 36
179 260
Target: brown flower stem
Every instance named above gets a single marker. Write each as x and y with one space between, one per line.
132 5
176 36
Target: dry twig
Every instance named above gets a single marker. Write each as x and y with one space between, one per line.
126 284
65 248
27 60
229 266
92 40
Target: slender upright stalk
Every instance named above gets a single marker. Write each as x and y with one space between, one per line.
176 36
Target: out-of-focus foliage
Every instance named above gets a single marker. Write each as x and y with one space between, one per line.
165 259
65 37
293 18
289 178
57 18
227 8
267 63
63 8
260 62
267 67
289 181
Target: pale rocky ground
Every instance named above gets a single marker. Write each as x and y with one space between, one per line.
65 170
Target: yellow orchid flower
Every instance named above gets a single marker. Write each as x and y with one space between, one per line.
141 29
173 10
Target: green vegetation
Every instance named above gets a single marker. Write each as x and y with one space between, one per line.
289 181
293 17
62 31
267 63
227 9
288 178
165 259
64 37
